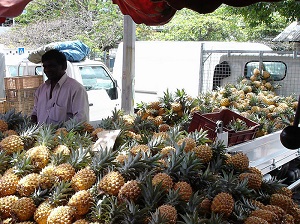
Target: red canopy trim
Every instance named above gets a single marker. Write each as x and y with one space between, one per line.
12 8
146 11
159 12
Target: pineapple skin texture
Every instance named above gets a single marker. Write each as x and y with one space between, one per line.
61 215
83 179
6 204
81 201
23 208
223 203
111 183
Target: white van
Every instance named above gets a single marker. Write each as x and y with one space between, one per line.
102 88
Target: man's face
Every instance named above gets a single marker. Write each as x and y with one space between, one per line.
53 70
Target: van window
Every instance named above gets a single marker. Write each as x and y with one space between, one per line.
95 78
12 70
277 69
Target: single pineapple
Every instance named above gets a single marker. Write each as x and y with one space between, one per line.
165 180
47 177
165 151
39 156
277 210
169 213
42 212
130 190
111 183
64 171
205 206
282 201
11 144
239 161
254 180
185 190
6 203
87 127
61 215
28 184
222 203
190 143
23 208
267 215
3 125
81 201
203 152
163 127
255 220
8 184
83 179
94 134
139 148
285 191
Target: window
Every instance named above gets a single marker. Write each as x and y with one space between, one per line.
277 69
95 77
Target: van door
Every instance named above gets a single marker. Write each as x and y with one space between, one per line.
102 91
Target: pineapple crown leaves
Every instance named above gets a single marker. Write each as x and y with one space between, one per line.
133 165
174 134
14 119
28 131
189 218
192 205
79 158
167 99
157 218
174 163
4 161
60 193
133 214
45 135
173 198
240 212
22 164
272 185
58 158
39 195
201 136
102 159
151 195
73 125
190 166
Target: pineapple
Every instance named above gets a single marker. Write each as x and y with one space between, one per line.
185 190
203 152
47 177
23 208
64 171
130 190
83 179
3 125
267 215
255 220
164 127
205 205
11 144
139 148
42 212
254 180
8 184
282 201
28 184
81 201
111 183
61 215
39 156
239 161
222 203
277 210
169 213
94 134
6 203
165 180
190 143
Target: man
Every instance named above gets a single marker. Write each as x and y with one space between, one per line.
61 97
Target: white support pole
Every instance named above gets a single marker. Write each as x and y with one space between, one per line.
128 69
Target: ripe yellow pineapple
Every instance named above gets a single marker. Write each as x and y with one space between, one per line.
61 215
176 106
285 191
11 144
130 190
164 179
139 148
169 213
9 132
185 190
6 203
158 120
283 201
83 179
111 183
203 152
47 177
28 184
8 184
39 156
81 201
190 143
23 208
165 151
222 203
42 212
64 171
63 149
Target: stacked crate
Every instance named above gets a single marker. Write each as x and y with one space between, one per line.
20 92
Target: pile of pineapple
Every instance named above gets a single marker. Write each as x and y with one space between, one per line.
157 172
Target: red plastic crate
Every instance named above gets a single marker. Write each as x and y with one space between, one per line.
208 122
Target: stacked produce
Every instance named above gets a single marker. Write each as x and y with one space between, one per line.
157 172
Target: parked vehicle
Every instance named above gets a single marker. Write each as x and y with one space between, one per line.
101 87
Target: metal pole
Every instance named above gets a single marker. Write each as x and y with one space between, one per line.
128 68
